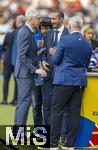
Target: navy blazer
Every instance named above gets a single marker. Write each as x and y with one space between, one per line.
7 45
72 58
26 53
48 45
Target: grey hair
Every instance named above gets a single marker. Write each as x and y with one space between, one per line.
31 13
21 19
76 22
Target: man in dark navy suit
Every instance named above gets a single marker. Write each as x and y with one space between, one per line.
52 38
71 59
25 68
8 68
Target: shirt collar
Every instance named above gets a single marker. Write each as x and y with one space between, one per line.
60 30
29 27
75 32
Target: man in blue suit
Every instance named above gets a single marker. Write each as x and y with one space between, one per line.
71 59
25 68
52 38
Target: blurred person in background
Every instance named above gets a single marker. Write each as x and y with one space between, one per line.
9 57
1 63
4 28
19 22
66 20
7 64
89 33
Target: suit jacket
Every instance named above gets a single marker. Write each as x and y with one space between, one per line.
47 56
14 47
72 58
26 53
94 44
7 45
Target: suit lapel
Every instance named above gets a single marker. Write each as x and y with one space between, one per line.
52 37
27 28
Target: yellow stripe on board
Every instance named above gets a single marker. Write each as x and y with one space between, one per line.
89 108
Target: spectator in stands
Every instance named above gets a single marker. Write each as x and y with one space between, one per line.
89 32
9 60
19 22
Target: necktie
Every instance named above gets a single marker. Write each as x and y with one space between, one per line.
55 40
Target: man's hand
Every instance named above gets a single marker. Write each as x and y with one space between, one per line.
41 72
45 65
41 51
52 51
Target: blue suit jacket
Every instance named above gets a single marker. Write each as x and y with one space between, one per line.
26 53
7 47
72 58
14 47
48 45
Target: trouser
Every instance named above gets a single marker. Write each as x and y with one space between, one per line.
8 70
70 97
47 100
37 106
25 89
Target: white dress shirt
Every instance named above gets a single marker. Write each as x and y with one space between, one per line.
29 27
60 32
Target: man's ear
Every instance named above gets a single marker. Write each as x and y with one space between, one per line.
61 20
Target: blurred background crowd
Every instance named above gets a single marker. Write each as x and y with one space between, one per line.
9 9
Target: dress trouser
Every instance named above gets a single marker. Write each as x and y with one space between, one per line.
8 70
37 106
25 90
47 98
70 97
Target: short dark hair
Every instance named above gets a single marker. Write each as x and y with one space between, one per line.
60 13
45 19
45 22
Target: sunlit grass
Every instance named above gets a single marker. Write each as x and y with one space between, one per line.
7 114
11 89
7 111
